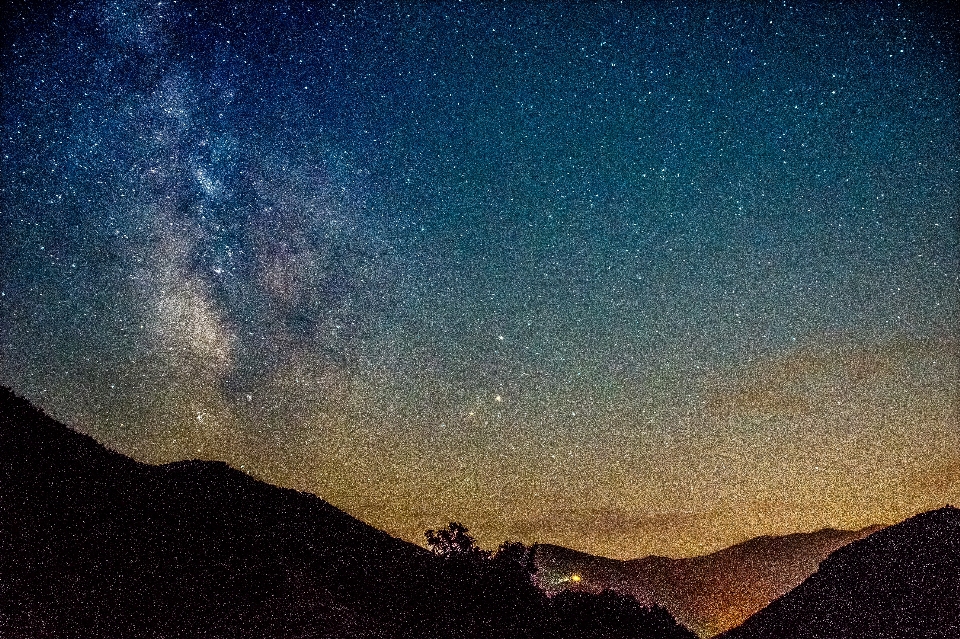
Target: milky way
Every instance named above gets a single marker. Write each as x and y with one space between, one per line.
628 278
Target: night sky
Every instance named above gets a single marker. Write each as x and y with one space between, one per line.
631 278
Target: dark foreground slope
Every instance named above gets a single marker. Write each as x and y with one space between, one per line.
901 582
710 593
93 543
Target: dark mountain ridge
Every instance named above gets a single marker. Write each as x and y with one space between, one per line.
87 534
901 582
93 543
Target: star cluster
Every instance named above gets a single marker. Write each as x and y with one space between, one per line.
631 278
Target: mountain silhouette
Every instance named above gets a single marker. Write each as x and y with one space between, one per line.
709 593
95 544
901 582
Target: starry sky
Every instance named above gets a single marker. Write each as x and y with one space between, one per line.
631 278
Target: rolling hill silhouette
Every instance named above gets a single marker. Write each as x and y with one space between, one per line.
93 543
710 593
901 582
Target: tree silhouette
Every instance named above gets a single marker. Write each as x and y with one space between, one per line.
454 541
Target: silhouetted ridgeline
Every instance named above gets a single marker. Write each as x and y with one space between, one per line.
902 582
710 593
94 544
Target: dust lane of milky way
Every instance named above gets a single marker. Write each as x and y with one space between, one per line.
627 278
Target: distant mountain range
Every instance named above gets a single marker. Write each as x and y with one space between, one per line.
710 593
94 544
